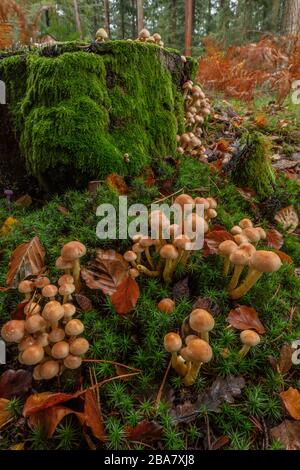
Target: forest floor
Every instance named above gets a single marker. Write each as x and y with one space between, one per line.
235 403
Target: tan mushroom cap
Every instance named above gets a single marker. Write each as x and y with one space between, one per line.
181 242
136 238
175 230
137 248
35 323
184 199
74 328
25 287
49 291
172 342
72 362
146 242
212 202
32 355
32 308
65 279
239 257
69 310
56 335
227 247
203 201
211 213
134 273
60 350
53 311
101 33
41 282
240 238
199 350
265 261
166 305
62 263
42 339
189 338
245 223
36 372
252 234
73 250
13 331
184 354
236 230
130 256
250 338
168 251
144 34
26 343
248 248
79 346
48 370
157 37
261 232
66 289
195 222
201 320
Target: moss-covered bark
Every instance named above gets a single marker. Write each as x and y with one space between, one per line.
77 109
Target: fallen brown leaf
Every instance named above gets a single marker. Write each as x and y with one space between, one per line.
83 302
116 182
106 272
41 401
5 414
93 416
145 431
291 400
288 433
285 362
49 419
213 239
274 239
26 260
24 201
245 318
14 383
18 313
284 257
181 289
124 299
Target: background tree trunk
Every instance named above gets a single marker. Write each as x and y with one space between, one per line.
188 27
173 23
291 16
77 18
275 15
106 17
140 14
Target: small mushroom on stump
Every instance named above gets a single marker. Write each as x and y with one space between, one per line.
249 338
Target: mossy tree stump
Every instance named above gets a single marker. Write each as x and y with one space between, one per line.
77 109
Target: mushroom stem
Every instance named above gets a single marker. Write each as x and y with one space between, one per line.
246 285
148 256
226 265
192 374
76 274
167 271
67 298
144 270
205 336
244 350
235 277
181 367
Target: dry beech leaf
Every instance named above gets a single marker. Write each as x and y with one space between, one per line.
288 218
41 401
24 201
222 389
19 446
274 239
181 289
49 419
26 260
124 299
284 257
285 362
5 414
245 318
213 239
288 433
93 416
18 313
247 193
14 383
116 182
145 431
291 400
106 272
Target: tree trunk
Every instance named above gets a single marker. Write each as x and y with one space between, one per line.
188 27
140 14
122 13
106 16
77 18
173 23
275 15
133 19
291 16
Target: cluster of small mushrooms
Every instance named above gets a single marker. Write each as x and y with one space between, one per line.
189 353
170 244
191 349
241 253
197 107
49 336
145 36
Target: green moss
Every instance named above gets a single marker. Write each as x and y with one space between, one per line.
254 170
80 110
